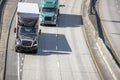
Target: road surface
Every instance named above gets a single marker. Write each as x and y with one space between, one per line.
110 14
62 55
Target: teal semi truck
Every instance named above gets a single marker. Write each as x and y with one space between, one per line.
49 11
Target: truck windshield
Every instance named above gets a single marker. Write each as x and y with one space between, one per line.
48 9
29 31
27 21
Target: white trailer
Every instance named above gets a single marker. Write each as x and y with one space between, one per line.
28 14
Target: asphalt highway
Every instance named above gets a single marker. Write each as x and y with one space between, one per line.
62 55
110 16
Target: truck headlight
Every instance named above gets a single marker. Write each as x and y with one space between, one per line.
18 42
41 18
55 16
35 43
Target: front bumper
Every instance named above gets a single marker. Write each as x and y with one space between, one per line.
43 22
26 49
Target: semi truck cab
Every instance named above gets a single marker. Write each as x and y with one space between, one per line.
49 12
26 39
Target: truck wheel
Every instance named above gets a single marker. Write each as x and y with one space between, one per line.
53 24
35 51
58 12
39 31
16 50
41 24
20 51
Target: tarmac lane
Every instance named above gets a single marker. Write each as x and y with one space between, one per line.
62 55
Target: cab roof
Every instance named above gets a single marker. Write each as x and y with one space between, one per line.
49 3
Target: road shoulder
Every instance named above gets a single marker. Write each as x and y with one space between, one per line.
96 45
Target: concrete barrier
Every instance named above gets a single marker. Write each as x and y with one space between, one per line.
104 62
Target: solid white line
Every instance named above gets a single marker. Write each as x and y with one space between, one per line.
20 70
106 63
56 47
21 64
22 58
58 64
56 35
18 67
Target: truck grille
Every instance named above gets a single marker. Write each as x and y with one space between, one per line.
26 43
48 18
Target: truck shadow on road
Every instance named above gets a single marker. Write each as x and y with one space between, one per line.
69 20
50 44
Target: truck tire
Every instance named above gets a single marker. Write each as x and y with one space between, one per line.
54 25
35 51
58 12
20 51
16 50
41 24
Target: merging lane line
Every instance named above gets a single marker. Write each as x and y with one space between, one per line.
18 67
58 64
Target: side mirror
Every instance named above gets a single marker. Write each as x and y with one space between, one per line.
40 32
58 12
14 30
39 9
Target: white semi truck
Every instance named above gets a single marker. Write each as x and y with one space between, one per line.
27 28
